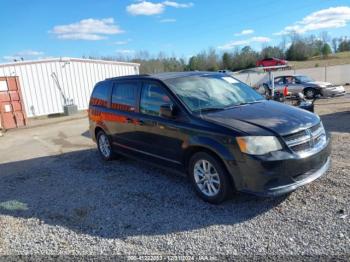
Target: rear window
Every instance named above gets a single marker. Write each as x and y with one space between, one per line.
124 96
99 96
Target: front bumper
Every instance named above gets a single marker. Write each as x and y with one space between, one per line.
334 91
308 177
273 177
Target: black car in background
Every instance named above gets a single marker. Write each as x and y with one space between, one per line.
218 130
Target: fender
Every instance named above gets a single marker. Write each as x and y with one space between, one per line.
210 144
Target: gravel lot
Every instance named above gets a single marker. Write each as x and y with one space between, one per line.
57 197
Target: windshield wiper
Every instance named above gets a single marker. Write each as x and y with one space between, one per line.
243 103
209 109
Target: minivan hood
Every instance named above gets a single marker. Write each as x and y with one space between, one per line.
271 116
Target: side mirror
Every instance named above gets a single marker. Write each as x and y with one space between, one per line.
167 110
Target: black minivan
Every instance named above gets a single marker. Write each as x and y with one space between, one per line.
218 130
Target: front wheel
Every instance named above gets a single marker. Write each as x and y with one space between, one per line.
209 178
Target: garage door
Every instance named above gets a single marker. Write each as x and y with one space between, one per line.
11 104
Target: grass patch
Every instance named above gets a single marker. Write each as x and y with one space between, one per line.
341 58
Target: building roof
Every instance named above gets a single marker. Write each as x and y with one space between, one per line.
67 59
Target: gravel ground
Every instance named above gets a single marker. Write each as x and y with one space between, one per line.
58 198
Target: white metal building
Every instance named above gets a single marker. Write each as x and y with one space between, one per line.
48 84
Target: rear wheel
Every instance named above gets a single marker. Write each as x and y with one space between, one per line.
209 178
310 93
104 146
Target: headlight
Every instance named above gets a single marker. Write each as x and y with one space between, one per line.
258 145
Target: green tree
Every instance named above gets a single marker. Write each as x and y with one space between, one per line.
326 50
271 51
193 64
298 51
226 61
344 45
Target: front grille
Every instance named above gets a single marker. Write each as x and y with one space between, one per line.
301 147
316 127
306 140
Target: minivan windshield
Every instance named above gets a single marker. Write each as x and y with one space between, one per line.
206 93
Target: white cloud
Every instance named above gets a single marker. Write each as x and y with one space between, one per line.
87 29
150 8
125 51
29 53
232 44
10 58
145 8
168 20
255 39
25 54
122 42
333 17
177 5
260 39
245 32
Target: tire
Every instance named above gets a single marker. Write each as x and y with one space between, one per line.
216 186
104 146
309 93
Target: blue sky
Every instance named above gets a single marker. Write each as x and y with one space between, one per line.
53 28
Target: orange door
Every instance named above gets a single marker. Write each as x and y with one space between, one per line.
12 113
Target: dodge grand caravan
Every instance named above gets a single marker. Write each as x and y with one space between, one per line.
218 130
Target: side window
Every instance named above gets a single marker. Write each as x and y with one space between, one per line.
289 80
152 97
100 94
279 81
124 96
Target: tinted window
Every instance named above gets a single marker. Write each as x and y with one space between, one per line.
152 97
304 79
124 96
100 94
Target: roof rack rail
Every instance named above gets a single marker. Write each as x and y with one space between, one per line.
127 76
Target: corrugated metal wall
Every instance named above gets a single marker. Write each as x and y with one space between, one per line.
76 77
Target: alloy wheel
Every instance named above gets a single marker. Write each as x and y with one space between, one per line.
104 145
206 178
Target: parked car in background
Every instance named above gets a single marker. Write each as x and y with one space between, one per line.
271 62
218 130
225 71
303 84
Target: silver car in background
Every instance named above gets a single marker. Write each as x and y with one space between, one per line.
303 84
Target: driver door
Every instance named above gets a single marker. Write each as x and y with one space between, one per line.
295 87
159 137
279 83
